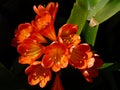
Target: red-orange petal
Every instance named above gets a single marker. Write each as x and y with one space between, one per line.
89 74
67 29
86 75
67 34
27 59
63 63
38 74
52 8
49 32
38 37
44 21
93 72
84 47
55 56
90 62
47 61
56 67
30 51
39 10
45 26
98 61
78 59
23 32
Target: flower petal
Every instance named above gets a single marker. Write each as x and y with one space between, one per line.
38 74
67 29
98 61
87 75
78 59
38 37
93 72
63 63
44 21
52 8
56 68
33 80
55 55
30 51
34 65
47 61
67 34
27 59
84 47
49 32
23 32
45 26
90 62
39 10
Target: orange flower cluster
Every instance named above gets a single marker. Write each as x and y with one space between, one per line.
33 44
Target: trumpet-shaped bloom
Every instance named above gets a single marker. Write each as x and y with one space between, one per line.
30 51
51 8
23 32
81 55
37 74
67 35
55 56
92 72
44 21
43 25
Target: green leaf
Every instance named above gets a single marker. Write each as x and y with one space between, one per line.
79 14
95 6
92 3
111 8
5 78
110 66
90 34
5 74
17 68
106 65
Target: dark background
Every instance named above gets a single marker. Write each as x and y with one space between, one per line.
14 12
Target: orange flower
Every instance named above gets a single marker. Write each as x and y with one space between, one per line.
23 32
67 35
44 21
30 51
80 56
51 8
55 56
57 84
92 72
65 48
37 74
